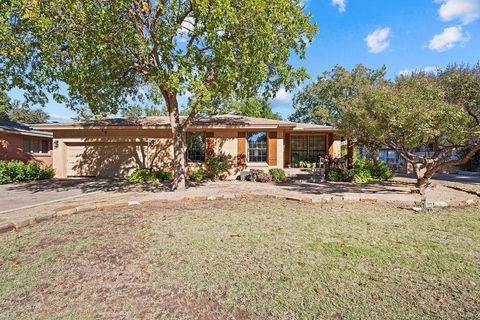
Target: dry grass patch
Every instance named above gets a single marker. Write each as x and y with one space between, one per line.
245 259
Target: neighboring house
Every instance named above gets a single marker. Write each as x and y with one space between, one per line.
20 142
116 147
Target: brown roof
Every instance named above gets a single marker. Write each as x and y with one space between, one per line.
217 121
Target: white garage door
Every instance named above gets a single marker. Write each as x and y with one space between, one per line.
105 159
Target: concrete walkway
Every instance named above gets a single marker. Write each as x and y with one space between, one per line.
98 193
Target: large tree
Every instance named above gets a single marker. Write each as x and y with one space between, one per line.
112 50
324 101
415 111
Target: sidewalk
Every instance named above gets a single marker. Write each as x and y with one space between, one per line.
395 192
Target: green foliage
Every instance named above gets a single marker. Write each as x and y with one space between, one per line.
25 114
324 101
123 51
335 174
217 166
366 170
142 175
17 171
137 111
418 110
198 175
277 174
256 107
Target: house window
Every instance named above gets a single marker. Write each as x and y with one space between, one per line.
257 146
35 146
308 148
195 147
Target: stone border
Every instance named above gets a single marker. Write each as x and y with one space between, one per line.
70 210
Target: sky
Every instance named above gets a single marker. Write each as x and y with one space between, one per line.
403 35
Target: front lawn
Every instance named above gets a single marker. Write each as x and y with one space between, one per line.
239 259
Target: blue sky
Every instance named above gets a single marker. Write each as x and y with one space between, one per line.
404 35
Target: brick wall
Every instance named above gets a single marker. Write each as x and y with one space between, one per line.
11 148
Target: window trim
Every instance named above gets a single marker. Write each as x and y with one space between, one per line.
204 146
41 142
248 147
308 135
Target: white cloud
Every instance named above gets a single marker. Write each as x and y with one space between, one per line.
283 96
465 10
342 5
448 39
378 41
428 69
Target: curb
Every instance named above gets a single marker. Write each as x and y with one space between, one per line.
70 210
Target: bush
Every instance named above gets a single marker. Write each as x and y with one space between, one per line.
257 175
366 170
142 175
198 175
335 174
217 166
277 174
17 171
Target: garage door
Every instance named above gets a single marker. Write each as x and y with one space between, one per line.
106 159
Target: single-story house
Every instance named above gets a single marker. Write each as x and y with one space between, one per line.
20 142
116 147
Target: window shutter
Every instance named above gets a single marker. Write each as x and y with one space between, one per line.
272 148
241 148
209 144
330 146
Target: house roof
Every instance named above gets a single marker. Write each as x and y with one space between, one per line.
22 129
217 121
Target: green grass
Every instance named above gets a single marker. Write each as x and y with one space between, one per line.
246 259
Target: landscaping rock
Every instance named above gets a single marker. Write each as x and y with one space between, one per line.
4 228
45 217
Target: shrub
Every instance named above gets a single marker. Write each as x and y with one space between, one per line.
257 175
366 170
142 175
216 166
277 174
17 171
198 175
335 174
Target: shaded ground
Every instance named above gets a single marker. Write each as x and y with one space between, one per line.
245 259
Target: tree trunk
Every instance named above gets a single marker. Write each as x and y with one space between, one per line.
423 182
179 145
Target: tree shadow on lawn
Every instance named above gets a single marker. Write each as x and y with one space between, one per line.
341 188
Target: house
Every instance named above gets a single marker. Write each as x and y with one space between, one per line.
116 147
20 142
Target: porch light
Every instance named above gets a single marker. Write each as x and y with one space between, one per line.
55 144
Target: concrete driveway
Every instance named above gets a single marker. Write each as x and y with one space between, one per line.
27 195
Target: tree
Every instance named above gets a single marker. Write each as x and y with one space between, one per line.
137 111
256 107
324 101
108 51
5 105
25 114
13 111
414 111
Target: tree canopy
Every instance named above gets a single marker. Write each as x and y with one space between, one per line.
256 107
114 53
14 111
325 100
415 111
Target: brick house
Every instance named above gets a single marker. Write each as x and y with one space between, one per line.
116 147
20 142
